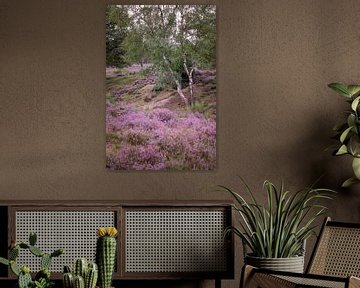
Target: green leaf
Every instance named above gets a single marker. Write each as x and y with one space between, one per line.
345 134
340 88
349 182
351 120
355 103
4 261
342 150
354 145
340 127
353 89
356 167
14 268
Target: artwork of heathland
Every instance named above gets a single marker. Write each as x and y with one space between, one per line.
161 87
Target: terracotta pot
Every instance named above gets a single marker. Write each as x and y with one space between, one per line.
291 264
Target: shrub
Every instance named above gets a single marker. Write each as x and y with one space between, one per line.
159 139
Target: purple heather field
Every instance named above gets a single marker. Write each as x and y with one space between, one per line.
159 139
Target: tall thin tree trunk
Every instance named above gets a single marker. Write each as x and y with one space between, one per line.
191 80
177 82
191 86
179 91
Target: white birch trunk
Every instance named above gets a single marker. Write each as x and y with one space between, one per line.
191 81
177 82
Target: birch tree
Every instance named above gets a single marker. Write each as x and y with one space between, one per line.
176 40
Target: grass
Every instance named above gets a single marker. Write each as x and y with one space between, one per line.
198 106
118 82
120 71
146 71
110 97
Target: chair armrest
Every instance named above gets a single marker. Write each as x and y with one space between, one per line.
254 277
246 273
354 282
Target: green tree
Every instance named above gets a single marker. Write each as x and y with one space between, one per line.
203 23
177 38
116 30
135 47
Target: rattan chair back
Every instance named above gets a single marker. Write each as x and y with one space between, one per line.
337 252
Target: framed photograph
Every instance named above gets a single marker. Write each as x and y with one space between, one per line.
161 87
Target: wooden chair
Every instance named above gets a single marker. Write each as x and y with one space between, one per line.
334 263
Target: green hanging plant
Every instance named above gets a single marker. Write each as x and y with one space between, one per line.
348 133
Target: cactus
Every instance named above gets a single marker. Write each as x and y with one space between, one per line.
14 268
42 278
24 280
80 268
79 282
105 254
91 276
68 280
89 272
36 251
25 269
57 253
45 261
32 238
13 253
24 246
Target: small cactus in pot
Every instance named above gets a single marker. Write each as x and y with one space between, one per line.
81 266
91 276
85 275
68 278
79 282
106 254
24 279
42 278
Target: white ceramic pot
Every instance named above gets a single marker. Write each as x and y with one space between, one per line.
291 264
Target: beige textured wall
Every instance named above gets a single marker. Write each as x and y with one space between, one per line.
275 58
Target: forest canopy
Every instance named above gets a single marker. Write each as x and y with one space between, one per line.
143 33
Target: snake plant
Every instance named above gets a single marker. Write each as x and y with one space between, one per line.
348 132
279 228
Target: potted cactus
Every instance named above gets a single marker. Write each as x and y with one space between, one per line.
84 275
106 254
42 278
